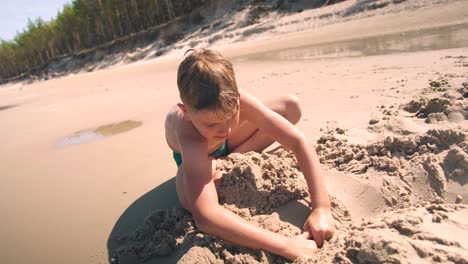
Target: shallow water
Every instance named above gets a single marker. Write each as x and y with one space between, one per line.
100 132
446 37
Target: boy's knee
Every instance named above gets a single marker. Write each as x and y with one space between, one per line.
293 108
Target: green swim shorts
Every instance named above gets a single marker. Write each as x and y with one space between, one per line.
220 152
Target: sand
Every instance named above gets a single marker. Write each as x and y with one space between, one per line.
416 225
390 129
413 169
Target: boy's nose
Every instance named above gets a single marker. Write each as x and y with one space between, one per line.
225 130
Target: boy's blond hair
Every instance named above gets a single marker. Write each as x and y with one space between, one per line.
206 81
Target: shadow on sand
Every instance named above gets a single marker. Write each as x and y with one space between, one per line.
162 197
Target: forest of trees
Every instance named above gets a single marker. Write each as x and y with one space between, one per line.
84 24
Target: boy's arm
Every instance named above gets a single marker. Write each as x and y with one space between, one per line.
320 222
210 217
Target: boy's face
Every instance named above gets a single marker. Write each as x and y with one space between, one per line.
213 126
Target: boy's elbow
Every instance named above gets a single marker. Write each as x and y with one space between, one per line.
203 220
299 142
202 224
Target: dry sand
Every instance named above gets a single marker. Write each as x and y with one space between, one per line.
391 131
415 224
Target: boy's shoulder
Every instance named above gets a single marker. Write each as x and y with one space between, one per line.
248 103
178 130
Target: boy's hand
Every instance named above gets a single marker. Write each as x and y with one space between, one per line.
320 225
300 247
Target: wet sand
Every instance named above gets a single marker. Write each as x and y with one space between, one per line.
62 203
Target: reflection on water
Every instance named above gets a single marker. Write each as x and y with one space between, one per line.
446 37
112 129
98 133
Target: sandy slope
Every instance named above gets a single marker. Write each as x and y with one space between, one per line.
62 205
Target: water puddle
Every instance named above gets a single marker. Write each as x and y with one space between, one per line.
85 136
446 37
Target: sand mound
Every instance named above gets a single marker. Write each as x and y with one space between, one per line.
257 185
411 235
254 185
404 164
406 237
260 182
441 101
385 155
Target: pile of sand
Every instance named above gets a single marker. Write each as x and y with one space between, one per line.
254 185
257 185
441 101
405 164
434 233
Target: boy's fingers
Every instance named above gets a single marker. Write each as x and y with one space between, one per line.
306 234
305 231
318 238
214 163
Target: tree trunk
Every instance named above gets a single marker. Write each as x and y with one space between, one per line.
170 9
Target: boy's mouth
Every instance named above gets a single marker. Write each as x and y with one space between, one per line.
222 137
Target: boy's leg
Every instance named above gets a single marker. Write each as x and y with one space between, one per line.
247 137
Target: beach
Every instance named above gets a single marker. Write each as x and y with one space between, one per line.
85 164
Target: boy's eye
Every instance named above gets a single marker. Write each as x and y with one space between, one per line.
211 125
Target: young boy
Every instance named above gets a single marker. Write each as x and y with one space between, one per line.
216 118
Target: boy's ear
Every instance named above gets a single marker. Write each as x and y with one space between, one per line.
184 110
